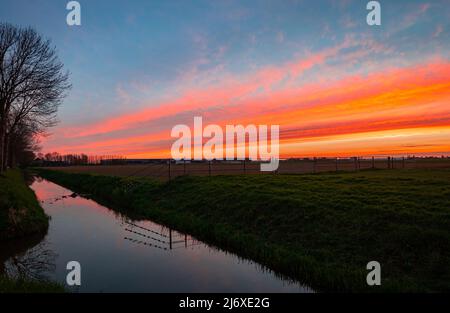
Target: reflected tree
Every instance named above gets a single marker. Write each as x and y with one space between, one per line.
33 264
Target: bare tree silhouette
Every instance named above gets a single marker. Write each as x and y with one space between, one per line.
35 263
32 85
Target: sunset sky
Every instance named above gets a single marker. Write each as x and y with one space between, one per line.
336 86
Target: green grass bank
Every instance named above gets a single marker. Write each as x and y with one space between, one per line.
8 285
320 229
20 216
20 212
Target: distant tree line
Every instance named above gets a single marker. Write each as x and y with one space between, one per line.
57 159
32 86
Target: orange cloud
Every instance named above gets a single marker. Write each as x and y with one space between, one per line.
225 93
325 118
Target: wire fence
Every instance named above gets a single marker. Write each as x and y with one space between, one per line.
158 239
169 169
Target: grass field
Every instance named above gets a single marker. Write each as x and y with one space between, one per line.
321 229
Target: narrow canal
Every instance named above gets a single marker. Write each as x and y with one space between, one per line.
121 255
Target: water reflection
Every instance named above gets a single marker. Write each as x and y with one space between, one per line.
119 254
172 240
16 248
35 263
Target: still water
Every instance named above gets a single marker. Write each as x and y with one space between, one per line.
121 255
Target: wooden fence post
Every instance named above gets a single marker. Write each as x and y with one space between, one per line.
314 165
389 162
403 162
355 163
184 167
373 162
245 170
336 164
209 168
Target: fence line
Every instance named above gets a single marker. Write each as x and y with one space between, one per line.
165 244
169 169
172 168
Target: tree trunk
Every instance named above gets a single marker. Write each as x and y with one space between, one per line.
2 268
6 151
2 146
11 161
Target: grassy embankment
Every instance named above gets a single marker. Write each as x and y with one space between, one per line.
8 285
20 216
20 212
321 229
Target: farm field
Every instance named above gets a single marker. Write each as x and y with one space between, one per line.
321 229
164 171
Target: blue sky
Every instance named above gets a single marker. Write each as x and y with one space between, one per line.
131 55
